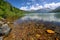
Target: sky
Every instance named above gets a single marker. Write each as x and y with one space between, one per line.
35 4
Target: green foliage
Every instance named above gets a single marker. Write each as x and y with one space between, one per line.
6 10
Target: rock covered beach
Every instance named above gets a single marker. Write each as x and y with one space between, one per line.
31 30
5 29
37 30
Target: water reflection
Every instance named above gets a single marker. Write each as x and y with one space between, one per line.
42 16
57 15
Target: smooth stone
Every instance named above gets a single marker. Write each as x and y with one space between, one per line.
50 31
4 29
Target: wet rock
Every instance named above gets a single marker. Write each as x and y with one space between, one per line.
1 38
10 22
37 35
57 39
50 31
36 31
32 38
5 29
1 22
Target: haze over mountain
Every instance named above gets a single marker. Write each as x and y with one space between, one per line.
46 10
56 10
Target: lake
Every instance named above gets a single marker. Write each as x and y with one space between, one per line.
51 17
37 23
42 16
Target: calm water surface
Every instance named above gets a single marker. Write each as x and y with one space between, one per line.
50 17
42 16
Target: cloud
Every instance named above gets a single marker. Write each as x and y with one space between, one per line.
38 6
24 8
32 7
52 5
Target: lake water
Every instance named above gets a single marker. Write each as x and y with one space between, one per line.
46 17
50 17
42 16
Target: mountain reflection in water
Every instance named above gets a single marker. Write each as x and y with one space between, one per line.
42 16
47 17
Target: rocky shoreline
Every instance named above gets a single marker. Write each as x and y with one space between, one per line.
37 30
4 29
32 30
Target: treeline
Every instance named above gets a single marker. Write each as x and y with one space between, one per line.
8 11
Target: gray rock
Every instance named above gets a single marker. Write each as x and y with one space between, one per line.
1 22
1 38
4 30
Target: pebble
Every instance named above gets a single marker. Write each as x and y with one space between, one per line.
37 35
50 31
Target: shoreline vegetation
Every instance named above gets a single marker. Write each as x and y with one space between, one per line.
8 12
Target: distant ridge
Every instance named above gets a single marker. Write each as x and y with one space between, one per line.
56 10
46 10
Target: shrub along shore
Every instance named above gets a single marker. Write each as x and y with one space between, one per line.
7 11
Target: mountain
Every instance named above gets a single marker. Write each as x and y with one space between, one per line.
8 11
56 10
44 10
